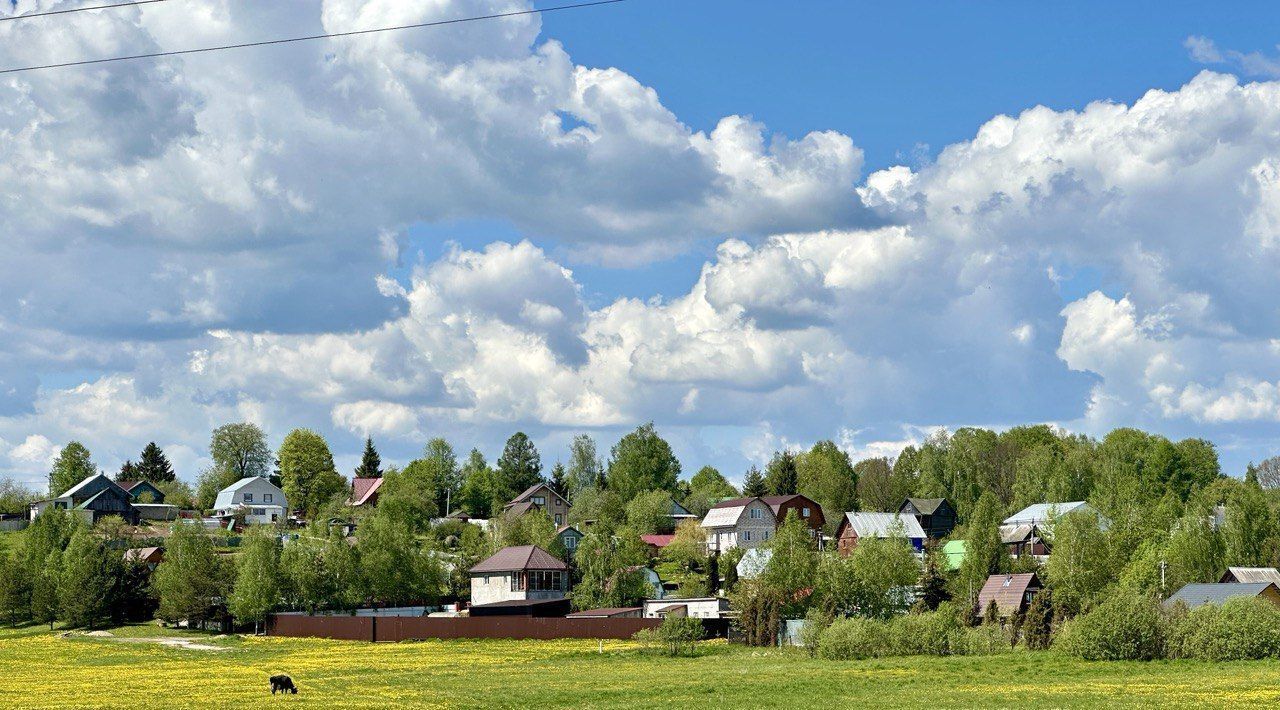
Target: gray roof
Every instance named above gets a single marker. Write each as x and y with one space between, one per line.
226 496
1253 574
882 524
1195 595
1010 534
1041 512
75 490
927 506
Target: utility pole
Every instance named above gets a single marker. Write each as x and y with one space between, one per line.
1163 566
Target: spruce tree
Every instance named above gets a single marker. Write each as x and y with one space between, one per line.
781 478
128 472
370 463
753 485
559 479
519 467
154 466
88 583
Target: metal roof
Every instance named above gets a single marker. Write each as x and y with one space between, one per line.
882 524
74 490
523 557
1041 512
1195 595
599 613
724 517
1010 534
226 496
1007 590
1252 574
927 506
363 488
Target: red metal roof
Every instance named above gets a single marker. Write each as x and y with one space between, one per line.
523 557
1007 590
363 488
658 541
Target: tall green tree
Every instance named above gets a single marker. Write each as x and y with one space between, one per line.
985 554
88 588
706 488
519 467
14 497
257 588
308 585
72 466
407 499
309 477
642 461
128 471
1079 568
154 466
780 477
191 579
239 451
825 474
793 563
585 469
753 483
395 567
650 513
446 476
479 487
877 486
559 481
1250 531
370 463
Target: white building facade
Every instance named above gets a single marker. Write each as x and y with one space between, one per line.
258 499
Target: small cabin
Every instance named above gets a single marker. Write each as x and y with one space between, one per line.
936 516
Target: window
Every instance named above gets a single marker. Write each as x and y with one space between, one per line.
266 498
539 500
756 514
746 535
248 497
273 517
559 519
517 582
546 581
570 542
804 512
259 511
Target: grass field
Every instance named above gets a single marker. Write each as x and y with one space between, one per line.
39 669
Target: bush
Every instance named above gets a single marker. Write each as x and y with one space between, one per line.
985 640
927 634
810 636
855 638
675 636
1239 630
1125 627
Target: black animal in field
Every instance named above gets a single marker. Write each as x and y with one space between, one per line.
284 684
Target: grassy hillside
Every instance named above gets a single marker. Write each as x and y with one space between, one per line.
47 671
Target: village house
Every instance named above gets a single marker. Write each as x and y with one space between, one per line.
1025 532
1012 593
92 499
698 608
857 526
364 492
804 508
656 543
149 556
526 572
142 491
569 538
538 496
257 499
936 516
679 514
741 522
1197 595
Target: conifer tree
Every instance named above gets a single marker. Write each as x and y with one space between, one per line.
154 466
370 463
753 485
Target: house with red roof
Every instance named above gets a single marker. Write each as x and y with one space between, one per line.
364 492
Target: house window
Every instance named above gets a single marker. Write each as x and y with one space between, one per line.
274 517
259 511
539 500
804 512
570 542
266 498
517 582
746 535
559 519
756 514
248 497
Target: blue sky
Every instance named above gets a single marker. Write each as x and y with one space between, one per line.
333 235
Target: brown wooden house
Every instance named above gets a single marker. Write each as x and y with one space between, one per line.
802 506
1012 593
538 496
936 516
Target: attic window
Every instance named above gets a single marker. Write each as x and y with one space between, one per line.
1008 581
539 500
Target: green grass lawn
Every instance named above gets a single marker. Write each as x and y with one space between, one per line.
43 669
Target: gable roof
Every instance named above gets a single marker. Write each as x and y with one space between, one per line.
565 528
226 496
679 511
1010 534
142 554
523 557
926 506
1008 591
128 485
75 490
1041 512
363 488
881 524
726 514
528 493
1252 574
1196 595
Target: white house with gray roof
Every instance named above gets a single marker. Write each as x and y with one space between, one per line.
257 498
742 522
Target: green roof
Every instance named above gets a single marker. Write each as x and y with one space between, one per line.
954 552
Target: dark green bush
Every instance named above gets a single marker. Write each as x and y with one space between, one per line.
676 636
848 639
1239 630
936 633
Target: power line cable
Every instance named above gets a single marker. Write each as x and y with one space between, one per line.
327 35
34 15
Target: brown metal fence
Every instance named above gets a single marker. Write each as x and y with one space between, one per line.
406 628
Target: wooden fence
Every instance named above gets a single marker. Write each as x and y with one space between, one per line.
415 628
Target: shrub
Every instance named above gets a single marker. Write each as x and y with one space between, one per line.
1239 630
1127 626
985 640
928 634
855 638
675 636
815 623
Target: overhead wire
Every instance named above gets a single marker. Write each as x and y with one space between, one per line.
68 11
308 38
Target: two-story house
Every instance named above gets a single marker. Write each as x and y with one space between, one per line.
542 497
256 498
92 499
935 515
526 572
741 522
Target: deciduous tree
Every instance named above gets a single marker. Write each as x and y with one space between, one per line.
72 466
